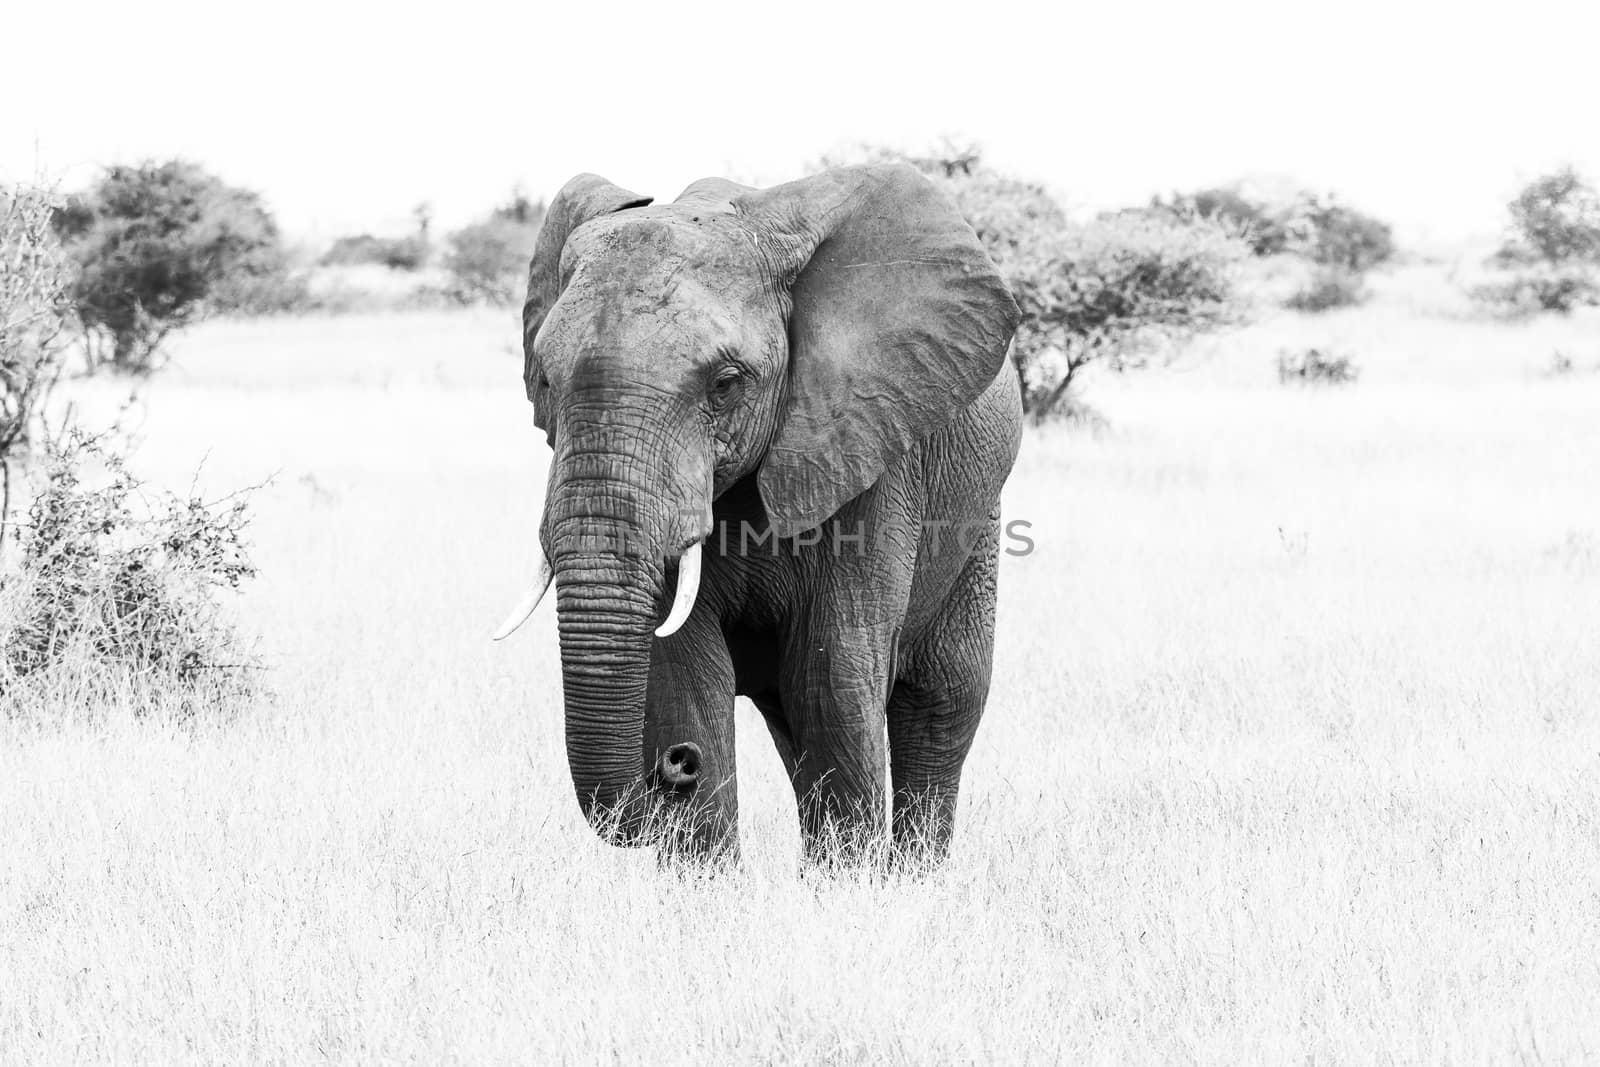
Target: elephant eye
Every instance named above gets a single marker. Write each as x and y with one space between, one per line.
724 384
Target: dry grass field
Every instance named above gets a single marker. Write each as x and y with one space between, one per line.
1293 752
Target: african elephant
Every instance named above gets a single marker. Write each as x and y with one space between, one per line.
781 417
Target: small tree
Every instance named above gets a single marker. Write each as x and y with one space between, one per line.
154 243
488 260
1344 243
1554 219
1115 291
35 277
1342 238
1553 248
1119 291
1267 230
1317 227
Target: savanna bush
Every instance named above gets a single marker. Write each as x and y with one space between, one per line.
1117 290
114 596
1316 366
1343 243
1558 287
36 278
397 253
409 253
1552 254
1327 289
283 290
1554 219
1341 238
154 244
1267 229
487 261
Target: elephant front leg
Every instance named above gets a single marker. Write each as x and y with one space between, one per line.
689 742
833 698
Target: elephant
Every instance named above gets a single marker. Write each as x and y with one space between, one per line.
780 421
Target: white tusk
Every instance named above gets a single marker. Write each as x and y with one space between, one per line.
688 587
525 606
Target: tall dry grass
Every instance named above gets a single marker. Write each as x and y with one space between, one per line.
1292 751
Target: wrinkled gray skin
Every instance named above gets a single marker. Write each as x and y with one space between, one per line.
821 358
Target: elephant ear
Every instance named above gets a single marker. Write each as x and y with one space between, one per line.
586 197
898 321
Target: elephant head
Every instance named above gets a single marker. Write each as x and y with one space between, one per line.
809 334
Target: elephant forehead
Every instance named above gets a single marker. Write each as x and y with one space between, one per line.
648 246
597 318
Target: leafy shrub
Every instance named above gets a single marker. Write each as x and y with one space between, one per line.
1554 219
1268 231
282 291
1118 290
1343 238
35 278
1329 288
115 596
396 253
1316 366
488 260
1114 290
1316 227
153 244
1558 287
1553 251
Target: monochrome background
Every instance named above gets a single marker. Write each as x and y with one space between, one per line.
1293 742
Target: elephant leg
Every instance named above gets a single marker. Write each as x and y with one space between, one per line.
771 709
833 702
837 664
689 738
935 708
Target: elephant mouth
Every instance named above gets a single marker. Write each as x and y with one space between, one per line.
677 771
683 600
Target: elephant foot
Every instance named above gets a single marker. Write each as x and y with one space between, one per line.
855 842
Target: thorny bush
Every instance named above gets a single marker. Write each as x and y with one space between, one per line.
115 596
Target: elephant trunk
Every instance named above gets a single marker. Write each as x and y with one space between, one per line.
614 513
608 523
606 608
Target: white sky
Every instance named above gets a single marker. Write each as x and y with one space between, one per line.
345 115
